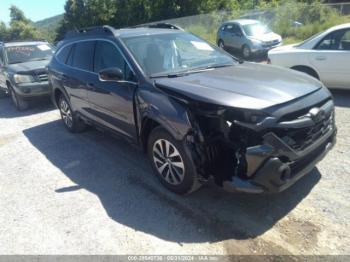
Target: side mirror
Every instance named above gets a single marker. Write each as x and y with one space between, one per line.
111 74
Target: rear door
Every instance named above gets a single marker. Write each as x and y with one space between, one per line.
112 103
76 81
331 58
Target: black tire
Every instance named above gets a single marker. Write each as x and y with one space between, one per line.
221 44
18 102
187 182
246 52
71 121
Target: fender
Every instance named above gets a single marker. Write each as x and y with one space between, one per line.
169 113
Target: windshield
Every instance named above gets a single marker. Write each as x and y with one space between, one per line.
256 29
27 53
173 53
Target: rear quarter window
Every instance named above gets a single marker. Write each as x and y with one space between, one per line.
63 54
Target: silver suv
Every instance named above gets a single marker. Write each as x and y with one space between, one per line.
248 36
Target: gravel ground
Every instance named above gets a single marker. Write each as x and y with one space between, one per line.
92 193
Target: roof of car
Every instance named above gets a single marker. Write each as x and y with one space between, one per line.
243 21
337 27
104 31
23 43
130 32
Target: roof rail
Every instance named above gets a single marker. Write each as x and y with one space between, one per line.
102 30
160 25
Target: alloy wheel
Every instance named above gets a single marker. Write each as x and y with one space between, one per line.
168 162
66 113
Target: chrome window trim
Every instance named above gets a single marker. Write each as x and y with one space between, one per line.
92 72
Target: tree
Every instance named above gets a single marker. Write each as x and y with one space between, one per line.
21 28
17 14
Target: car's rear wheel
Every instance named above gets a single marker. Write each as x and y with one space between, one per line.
18 102
169 159
246 52
71 121
221 44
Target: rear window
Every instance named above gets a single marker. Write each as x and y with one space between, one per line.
83 55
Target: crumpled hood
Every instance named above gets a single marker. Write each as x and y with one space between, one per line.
246 85
29 67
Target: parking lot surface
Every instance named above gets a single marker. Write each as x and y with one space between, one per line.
92 193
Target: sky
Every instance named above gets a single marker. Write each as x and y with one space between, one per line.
35 10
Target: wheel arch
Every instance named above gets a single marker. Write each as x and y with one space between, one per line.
57 92
306 69
169 114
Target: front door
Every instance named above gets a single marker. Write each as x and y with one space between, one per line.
111 102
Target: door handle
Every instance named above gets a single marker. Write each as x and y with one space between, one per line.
321 58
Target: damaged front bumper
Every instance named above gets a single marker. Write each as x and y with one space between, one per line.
274 165
274 175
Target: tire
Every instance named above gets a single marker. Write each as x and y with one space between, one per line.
174 169
246 52
221 44
71 121
18 102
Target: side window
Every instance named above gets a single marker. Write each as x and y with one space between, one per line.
229 28
331 41
237 30
107 55
345 41
63 54
69 60
83 55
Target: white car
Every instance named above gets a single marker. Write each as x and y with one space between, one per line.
325 56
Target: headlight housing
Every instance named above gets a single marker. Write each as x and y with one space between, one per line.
19 79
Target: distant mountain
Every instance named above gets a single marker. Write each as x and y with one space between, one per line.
50 23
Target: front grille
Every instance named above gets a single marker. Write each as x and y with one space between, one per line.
299 139
271 43
43 77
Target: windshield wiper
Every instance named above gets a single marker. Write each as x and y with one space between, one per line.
192 71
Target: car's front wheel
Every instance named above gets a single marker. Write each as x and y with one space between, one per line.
169 159
71 121
246 52
221 44
18 102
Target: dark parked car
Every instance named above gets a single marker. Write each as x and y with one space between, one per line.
196 111
23 70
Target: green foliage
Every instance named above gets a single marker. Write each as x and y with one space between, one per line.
20 27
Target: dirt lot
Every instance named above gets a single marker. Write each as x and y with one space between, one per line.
92 193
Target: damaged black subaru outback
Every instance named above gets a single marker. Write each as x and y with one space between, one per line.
198 112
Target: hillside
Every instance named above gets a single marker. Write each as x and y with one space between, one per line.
50 23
